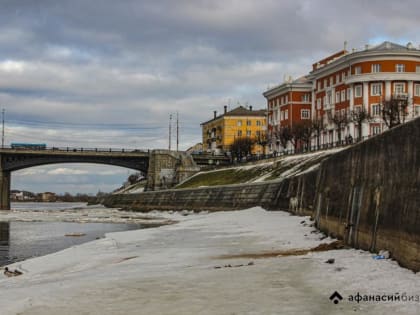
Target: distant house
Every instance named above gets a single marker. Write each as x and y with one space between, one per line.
48 197
17 195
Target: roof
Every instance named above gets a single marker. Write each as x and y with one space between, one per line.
303 82
388 46
328 59
240 111
384 48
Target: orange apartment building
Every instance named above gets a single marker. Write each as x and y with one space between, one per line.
288 103
348 81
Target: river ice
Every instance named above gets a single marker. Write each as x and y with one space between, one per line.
183 269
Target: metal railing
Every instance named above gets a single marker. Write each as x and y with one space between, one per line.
73 149
294 151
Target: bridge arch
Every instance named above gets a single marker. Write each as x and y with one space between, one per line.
164 168
13 160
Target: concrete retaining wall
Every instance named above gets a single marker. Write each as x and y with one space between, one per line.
367 195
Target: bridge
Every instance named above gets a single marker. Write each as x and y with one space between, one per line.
164 168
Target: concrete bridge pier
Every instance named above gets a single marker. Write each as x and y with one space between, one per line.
4 190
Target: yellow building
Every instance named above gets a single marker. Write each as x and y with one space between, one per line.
220 132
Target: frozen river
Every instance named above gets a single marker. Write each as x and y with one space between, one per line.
37 228
242 262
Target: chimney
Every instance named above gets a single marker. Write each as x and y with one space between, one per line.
250 107
215 113
225 107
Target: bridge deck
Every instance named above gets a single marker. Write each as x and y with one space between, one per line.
76 151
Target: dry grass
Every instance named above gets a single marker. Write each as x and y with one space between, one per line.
290 252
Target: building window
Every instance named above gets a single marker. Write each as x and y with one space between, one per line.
248 133
343 95
337 97
239 123
358 91
319 85
399 88
376 110
376 89
278 102
325 83
305 98
318 103
305 114
418 68
375 129
329 95
343 76
286 99
239 133
337 78
376 67
348 93
282 115
416 89
286 114
258 122
358 70
248 123
399 67
331 81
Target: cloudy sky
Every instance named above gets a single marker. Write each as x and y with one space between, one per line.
104 73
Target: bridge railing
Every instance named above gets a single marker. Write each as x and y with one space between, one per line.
227 158
73 149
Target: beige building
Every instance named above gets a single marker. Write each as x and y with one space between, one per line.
48 197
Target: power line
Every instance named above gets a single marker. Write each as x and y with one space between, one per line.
91 125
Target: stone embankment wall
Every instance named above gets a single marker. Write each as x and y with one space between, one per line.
168 168
367 195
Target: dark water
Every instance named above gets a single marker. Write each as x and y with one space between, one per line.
23 240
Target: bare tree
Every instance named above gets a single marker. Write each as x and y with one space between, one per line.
301 134
285 135
262 139
318 127
394 110
340 120
241 147
358 117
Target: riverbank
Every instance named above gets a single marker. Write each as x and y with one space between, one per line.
193 267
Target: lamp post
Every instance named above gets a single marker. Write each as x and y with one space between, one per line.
2 131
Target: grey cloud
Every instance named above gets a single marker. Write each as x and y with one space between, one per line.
121 64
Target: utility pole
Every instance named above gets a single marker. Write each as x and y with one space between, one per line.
177 130
2 130
170 130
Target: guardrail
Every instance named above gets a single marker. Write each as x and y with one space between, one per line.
227 158
75 149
